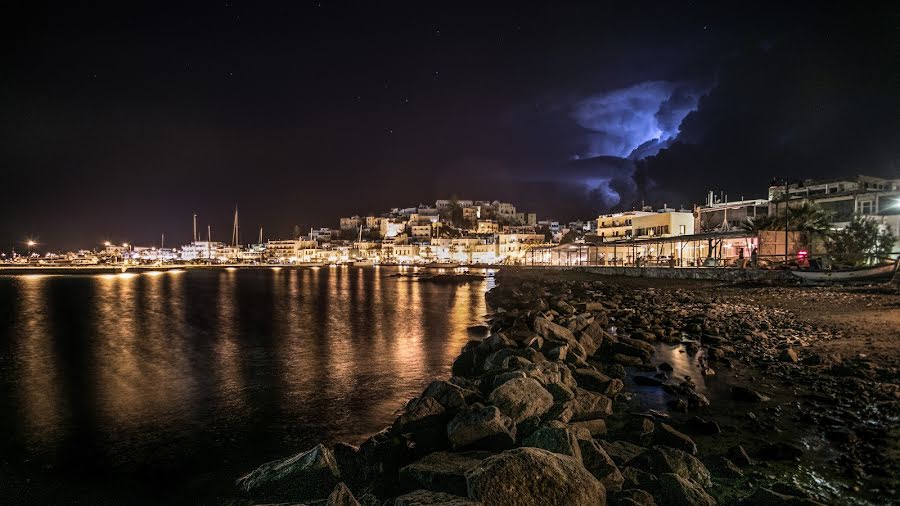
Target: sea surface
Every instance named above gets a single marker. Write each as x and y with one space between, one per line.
164 387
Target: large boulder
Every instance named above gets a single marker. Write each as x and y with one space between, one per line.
441 472
534 477
589 405
520 398
481 427
450 396
554 439
621 452
678 491
547 373
383 455
599 463
596 381
308 475
550 330
669 436
429 498
341 496
661 459
423 413
595 427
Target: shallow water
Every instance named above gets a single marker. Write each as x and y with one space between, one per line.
165 386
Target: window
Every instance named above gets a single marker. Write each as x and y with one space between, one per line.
865 207
682 229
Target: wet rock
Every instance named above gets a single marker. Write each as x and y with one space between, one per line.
661 459
739 456
465 364
429 498
590 405
598 382
601 465
556 440
341 496
478 330
351 465
614 371
308 475
481 427
441 472
669 436
622 452
678 491
384 454
423 413
621 348
495 342
627 360
534 477
636 343
726 468
740 393
521 398
779 451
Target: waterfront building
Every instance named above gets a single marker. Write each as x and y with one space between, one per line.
663 224
874 198
282 251
512 248
201 251
616 226
720 215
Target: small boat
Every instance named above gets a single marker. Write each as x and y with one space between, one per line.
877 273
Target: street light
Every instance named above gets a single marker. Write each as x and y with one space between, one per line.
31 243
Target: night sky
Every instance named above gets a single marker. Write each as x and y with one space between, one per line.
121 121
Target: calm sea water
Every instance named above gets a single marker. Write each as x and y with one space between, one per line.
163 387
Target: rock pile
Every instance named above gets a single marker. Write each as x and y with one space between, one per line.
524 418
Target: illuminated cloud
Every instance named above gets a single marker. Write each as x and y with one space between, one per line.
636 121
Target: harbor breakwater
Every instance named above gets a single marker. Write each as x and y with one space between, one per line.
541 411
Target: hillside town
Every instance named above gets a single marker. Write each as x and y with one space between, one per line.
718 233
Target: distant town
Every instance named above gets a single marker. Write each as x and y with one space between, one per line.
780 228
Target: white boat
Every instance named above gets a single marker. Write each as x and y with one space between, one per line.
880 272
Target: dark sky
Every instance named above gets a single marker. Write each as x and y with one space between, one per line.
120 121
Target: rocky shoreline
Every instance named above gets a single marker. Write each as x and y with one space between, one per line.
549 408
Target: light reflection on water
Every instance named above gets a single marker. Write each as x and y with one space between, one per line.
215 371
